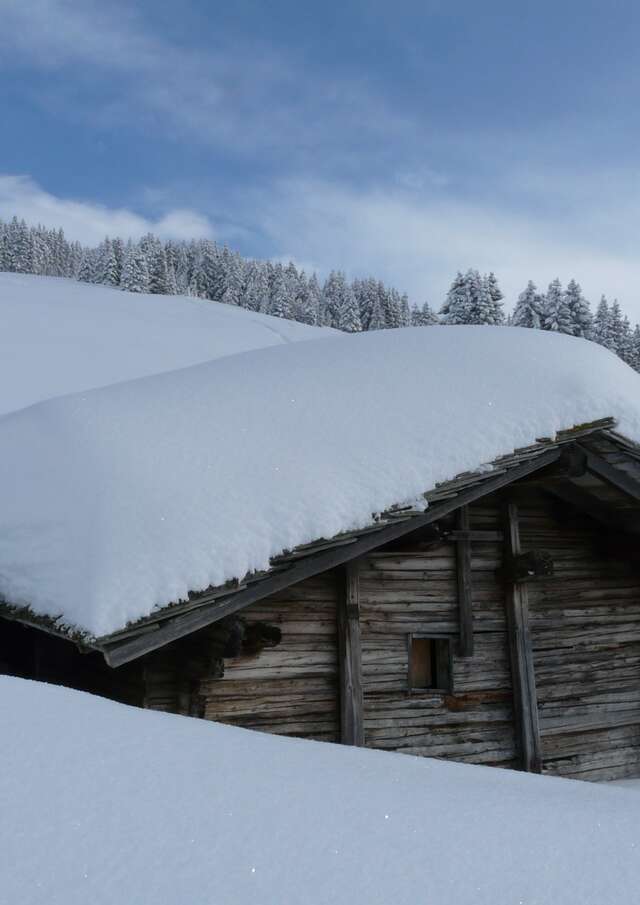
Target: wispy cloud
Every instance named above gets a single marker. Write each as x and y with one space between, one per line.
418 243
89 223
240 94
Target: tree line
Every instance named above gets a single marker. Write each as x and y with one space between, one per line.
203 269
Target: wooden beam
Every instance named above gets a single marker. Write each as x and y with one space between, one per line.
180 625
350 656
583 501
463 574
522 672
612 475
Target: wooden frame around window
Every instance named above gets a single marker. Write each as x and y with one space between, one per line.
435 668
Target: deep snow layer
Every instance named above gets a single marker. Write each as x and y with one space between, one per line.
59 336
106 804
124 498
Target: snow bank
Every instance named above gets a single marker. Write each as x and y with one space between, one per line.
59 336
106 804
122 499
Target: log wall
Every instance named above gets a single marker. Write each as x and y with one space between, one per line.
415 590
585 628
290 689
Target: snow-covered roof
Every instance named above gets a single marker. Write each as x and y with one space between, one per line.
59 336
123 499
109 804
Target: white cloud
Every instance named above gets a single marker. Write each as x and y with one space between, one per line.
418 244
88 222
239 94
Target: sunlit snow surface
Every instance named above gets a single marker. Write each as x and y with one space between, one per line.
118 500
59 336
110 805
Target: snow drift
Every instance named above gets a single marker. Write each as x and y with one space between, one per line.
107 804
60 336
122 499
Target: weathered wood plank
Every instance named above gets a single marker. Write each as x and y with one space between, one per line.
350 659
523 677
463 573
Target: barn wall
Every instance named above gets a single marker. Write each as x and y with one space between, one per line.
415 590
585 627
290 689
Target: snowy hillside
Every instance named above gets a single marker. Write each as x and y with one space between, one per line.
107 804
122 499
58 336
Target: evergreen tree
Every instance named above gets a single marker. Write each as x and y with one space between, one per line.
392 306
556 314
601 332
579 310
281 301
135 272
333 293
616 328
314 299
635 361
626 347
307 302
107 271
348 312
378 319
529 308
405 311
455 307
255 291
494 309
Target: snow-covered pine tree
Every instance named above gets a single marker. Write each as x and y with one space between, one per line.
616 328
89 266
495 315
348 312
528 310
635 363
378 319
159 279
579 310
107 271
314 298
3 246
332 293
366 294
405 311
307 302
423 317
255 289
625 347
281 301
135 271
457 306
601 332
20 247
392 306
231 278
556 315
429 316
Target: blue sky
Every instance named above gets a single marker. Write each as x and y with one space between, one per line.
404 139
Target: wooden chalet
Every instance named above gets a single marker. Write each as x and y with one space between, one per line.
499 626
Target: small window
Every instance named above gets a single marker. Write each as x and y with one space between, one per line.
429 664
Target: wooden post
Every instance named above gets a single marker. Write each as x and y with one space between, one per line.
351 697
463 570
525 702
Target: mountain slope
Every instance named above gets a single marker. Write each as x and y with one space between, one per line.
59 336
